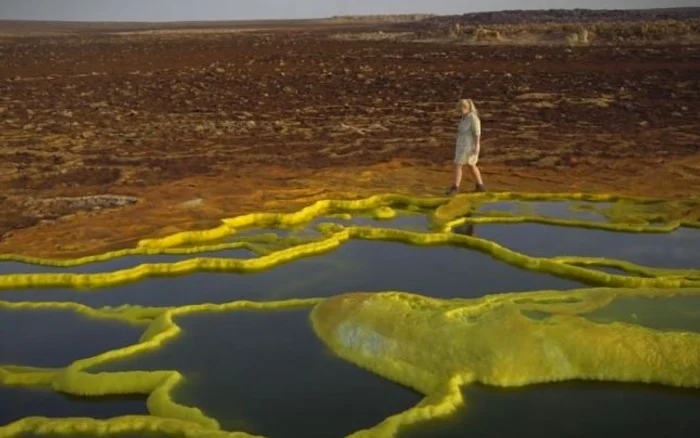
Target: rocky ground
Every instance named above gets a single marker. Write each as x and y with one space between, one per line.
145 123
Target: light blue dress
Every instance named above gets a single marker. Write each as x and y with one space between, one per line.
465 146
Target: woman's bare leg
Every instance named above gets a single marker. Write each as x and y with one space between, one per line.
477 174
458 175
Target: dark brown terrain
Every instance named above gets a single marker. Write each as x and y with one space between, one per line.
185 124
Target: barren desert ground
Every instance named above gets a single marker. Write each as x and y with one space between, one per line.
174 128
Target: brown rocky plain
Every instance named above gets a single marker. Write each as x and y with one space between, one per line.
112 133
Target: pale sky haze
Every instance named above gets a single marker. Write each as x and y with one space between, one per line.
197 10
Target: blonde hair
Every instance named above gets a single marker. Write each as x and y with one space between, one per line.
467 103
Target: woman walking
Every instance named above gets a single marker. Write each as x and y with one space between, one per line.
468 146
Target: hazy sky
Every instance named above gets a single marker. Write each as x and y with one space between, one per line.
194 10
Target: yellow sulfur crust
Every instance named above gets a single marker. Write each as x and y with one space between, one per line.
435 346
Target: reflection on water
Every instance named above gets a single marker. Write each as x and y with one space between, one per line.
466 229
267 373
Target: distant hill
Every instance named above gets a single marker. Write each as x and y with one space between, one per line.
379 18
407 22
561 26
558 16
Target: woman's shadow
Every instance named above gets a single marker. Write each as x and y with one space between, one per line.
466 229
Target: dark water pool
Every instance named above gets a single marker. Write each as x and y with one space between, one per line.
440 271
56 338
570 409
267 373
17 403
679 249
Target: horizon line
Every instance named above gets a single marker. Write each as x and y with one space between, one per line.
426 14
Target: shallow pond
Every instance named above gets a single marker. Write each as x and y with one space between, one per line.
678 249
267 373
56 338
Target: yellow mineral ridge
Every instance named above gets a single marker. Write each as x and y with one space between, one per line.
434 346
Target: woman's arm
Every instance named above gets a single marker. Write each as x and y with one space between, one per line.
476 132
